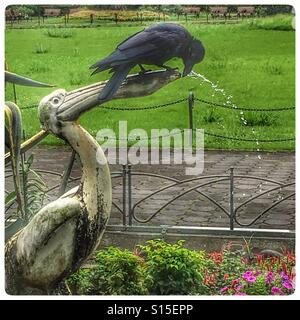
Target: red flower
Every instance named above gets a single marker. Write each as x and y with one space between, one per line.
283 265
234 282
259 258
226 276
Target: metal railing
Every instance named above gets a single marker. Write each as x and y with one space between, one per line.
231 211
129 209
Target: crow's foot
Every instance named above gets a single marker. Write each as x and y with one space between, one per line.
168 68
143 70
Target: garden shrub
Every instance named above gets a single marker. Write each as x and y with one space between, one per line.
117 272
81 282
172 269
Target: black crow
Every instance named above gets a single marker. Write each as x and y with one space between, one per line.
152 46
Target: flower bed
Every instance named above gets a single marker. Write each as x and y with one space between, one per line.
123 15
160 268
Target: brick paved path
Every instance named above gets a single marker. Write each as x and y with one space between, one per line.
193 209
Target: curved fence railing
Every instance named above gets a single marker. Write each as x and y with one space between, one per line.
231 211
128 209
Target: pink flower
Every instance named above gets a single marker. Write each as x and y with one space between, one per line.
288 284
284 275
251 279
224 289
269 277
247 274
277 291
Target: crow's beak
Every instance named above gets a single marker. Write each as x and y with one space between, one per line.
16 79
187 69
83 99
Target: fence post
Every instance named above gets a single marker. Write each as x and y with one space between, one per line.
231 198
124 174
129 194
191 100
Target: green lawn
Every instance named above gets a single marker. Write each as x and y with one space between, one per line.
255 66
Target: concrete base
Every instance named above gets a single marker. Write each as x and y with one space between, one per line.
201 239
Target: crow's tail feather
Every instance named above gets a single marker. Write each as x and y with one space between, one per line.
115 82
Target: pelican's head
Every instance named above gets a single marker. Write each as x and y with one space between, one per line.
61 106
48 110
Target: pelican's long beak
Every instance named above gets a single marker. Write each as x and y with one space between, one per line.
83 99
16 79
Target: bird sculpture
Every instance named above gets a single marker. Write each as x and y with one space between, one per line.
152 46
63 234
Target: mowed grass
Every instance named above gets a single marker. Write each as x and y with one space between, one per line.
256 67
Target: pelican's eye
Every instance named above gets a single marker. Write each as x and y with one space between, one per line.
56 101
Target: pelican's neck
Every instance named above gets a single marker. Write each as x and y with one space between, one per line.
95 181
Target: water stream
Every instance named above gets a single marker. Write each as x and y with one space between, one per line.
228 102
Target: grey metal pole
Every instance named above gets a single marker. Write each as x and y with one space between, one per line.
231 198
191 101
66 174
129 194
124 174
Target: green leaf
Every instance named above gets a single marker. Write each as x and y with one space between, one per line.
11 197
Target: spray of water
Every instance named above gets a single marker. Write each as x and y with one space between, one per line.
228 102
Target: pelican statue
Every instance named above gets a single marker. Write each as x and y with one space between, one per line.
64 233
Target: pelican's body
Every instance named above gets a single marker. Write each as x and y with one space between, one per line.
69 229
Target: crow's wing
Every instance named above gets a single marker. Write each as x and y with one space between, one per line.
143 45
149 42
133 35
